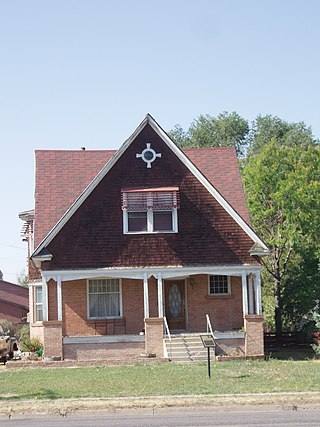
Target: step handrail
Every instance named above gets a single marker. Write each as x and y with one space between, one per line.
209 327
167 332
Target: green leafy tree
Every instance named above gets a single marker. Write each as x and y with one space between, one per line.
1 275
265 128
283 192
228 129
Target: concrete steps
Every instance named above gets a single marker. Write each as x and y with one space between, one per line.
186 348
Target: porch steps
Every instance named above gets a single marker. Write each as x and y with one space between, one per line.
186 348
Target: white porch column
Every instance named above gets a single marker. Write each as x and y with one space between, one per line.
160 296
59 298
244 293
44 299
257 289
251 296
145 295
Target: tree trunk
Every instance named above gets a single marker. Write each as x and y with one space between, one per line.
278 308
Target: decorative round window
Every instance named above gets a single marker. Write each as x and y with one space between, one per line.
148 155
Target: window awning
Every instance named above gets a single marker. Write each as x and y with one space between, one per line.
141 199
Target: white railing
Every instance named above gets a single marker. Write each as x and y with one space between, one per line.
167 333
209 327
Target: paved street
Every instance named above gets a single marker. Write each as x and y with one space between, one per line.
176 417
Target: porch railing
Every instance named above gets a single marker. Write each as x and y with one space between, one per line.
167 333
209 327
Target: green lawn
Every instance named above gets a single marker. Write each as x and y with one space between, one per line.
162 379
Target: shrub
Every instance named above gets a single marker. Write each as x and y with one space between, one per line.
27 344
32 345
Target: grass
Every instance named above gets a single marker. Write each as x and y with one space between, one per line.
162 379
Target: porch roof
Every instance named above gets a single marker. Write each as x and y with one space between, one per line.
147 272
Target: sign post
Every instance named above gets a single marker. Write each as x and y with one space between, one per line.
208 342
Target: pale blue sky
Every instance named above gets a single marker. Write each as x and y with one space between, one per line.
85 72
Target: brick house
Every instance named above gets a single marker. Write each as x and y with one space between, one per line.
132 244
14 302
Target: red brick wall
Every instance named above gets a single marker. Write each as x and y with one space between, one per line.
225 312
94 238
52 337
154 336
254 335
105 351
74 303
52 300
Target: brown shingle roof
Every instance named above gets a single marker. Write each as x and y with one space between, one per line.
61 176
14 294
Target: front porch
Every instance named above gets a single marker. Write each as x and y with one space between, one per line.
182 296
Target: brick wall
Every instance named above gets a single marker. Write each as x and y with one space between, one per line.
52 298
225 312
52 337
103 351
254 335
154 336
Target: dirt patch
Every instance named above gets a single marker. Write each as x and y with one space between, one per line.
64 407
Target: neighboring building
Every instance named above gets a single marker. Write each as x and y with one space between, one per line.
127 239
14 302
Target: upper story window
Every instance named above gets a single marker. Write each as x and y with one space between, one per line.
219 285
152 210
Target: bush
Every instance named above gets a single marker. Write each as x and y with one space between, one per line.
27 344
32 345
315 315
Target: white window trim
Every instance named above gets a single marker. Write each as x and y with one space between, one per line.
150 230
35 303
219 294
120 299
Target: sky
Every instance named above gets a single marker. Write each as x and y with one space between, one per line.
77 73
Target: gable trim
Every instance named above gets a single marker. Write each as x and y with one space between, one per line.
178 152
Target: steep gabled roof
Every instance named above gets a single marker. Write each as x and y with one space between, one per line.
14 294
59 194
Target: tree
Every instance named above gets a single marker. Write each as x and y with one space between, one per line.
22 278
228 129
1 275
283 193
264 128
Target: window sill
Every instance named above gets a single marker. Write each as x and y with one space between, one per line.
103 319
37 323
151 232
218 296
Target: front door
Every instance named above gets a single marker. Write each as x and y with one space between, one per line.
175 304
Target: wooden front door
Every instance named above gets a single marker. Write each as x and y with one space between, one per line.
175 304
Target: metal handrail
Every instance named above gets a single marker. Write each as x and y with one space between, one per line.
209 327
167 332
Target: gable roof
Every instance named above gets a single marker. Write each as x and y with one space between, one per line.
60 194
14 294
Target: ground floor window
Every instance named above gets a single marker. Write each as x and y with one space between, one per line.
219 285
38 304
104 298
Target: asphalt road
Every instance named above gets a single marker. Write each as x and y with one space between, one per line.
164 417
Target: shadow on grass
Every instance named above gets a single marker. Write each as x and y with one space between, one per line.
38 394
290 352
